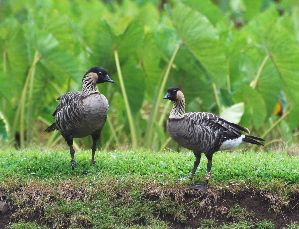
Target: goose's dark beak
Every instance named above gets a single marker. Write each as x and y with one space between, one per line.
108 79
167 96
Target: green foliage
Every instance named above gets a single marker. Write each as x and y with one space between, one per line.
221 55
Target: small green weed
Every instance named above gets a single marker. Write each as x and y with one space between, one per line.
208 223
240 214
293 225
265 225
26 225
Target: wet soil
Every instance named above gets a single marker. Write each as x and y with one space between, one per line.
222 206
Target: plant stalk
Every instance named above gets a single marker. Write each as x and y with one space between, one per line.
151 130
23 98
217 97
127 105
275 123
259 72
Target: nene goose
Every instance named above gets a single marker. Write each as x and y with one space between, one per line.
203 132
82 113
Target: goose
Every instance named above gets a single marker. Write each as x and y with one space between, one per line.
203 132
82 113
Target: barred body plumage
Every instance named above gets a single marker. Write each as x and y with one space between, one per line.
82 113
203 132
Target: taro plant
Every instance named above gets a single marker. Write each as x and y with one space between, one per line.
236 59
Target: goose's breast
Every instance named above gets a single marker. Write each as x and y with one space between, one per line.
182 134
94 115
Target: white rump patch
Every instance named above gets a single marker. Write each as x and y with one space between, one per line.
232 143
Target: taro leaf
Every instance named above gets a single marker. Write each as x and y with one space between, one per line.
207 8
102 46
253 7
130 41
190 79
3 128
58 61
269 86
149 15
270 35
134 81
150 56
284 50
202 41
256 104
14 58
293 119
233 113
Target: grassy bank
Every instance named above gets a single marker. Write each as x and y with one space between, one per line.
142 190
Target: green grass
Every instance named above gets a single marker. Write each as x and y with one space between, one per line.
162 166
140 189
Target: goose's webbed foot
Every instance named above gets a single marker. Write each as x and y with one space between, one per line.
73 164
203 186
92 161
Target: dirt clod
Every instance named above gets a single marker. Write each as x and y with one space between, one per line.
3 207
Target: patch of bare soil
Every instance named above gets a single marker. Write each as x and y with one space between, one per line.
220 205
223 206
5 212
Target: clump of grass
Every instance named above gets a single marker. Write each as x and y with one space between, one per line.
293 225
265 225
237 213
23 225
207 223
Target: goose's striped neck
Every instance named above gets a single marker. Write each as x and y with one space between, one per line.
89 84
178 109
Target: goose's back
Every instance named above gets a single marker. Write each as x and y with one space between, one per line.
201 131
79 115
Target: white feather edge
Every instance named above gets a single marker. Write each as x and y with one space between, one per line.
232 143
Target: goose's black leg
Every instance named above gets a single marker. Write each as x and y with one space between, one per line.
203 186
69 141
95 136
196 163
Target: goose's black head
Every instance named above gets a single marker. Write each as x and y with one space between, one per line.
172 94
100 75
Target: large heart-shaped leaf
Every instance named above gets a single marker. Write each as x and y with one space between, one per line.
202 40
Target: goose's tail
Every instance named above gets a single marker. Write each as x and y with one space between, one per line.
253 140
51 128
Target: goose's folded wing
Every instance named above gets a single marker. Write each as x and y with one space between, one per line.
67 100
213 127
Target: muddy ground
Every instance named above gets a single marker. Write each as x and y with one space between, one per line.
216 204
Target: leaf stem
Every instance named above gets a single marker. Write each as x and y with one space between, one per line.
275 124
259 72
155 109
23 98
127 105
216 97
